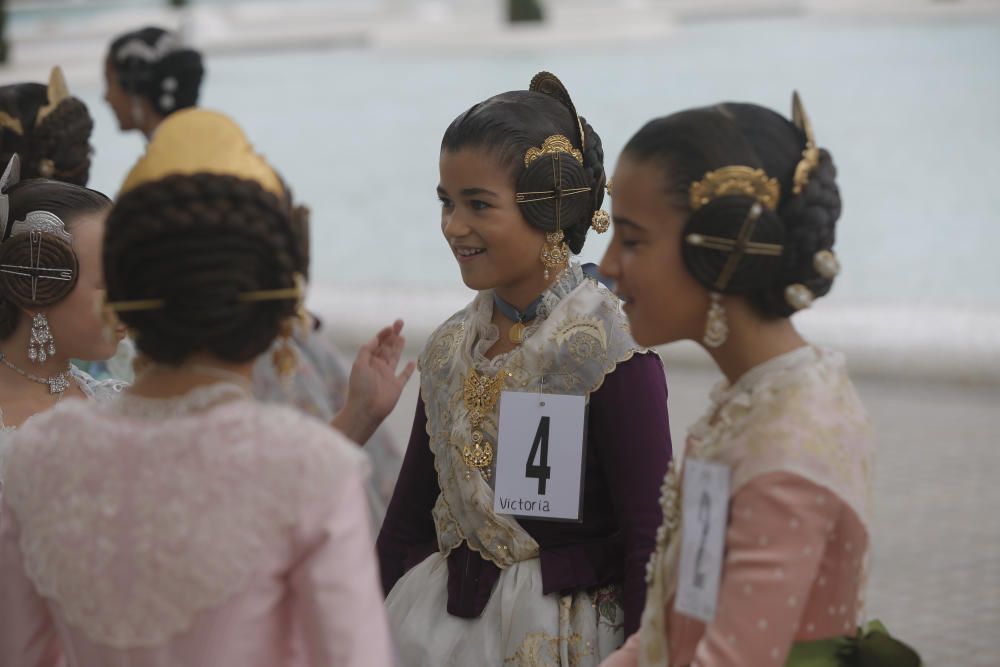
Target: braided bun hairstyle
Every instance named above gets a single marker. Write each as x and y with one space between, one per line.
153 63
689 144
58 147
510 124
197 242
67 202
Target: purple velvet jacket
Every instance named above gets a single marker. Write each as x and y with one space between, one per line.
628 450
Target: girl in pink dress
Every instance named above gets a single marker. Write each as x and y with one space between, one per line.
724 227
185 523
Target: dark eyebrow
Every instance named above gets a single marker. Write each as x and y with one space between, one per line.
472 192
625 222
468 192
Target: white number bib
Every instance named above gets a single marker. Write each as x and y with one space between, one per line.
540 454
705 503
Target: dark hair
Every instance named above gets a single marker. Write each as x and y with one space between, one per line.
196 242
153 64
58 147
69 203
509 124
691 143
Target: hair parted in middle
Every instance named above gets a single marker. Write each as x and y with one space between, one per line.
560 184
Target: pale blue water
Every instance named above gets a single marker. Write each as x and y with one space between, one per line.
909 110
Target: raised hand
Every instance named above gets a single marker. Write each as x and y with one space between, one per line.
374 386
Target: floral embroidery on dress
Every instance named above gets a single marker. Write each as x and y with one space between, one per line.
608 602
796 413
579 336
212 489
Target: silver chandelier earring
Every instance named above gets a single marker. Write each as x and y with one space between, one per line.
41 345
716 327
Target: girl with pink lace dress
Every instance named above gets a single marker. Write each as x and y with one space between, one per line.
185 523
724 226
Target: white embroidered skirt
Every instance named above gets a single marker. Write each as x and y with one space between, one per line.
520 626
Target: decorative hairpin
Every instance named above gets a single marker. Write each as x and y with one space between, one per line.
549 84
10 178
11 123
58 93
810 154
149 53
557 143
297 292
735 180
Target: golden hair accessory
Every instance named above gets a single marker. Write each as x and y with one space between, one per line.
58 93
11 123
737 248
600 221
607 186
193 141
297 292
810 154
557 143
549 84
735 180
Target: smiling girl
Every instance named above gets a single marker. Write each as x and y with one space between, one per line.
724 227
521 183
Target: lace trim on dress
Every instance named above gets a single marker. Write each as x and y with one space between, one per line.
135 527
796 413
486 334
581 338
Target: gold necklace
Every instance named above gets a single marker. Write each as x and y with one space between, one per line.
481 393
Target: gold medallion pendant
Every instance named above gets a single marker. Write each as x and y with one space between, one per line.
480 394
516 333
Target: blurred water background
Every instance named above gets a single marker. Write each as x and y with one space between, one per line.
349 100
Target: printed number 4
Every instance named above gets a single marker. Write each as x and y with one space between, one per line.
540 449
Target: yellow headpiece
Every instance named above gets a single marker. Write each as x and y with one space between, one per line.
198 141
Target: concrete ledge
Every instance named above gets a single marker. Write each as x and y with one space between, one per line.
909 342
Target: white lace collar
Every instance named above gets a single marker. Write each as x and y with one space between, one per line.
486 333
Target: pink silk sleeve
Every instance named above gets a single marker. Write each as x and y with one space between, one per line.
27 632
337 597
774 544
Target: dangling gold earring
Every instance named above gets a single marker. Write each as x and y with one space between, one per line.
716 327
555 252
284 357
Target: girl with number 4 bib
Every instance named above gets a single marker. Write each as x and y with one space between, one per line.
522 182
724 227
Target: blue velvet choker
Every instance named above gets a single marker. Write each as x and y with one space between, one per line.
519 317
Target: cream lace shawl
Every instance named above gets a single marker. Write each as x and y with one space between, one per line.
579 336
797 413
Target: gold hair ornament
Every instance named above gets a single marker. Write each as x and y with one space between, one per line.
280 294
737 248
195 141
735 180
607 186
58 93
810 154
11 123
600 221
557 143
